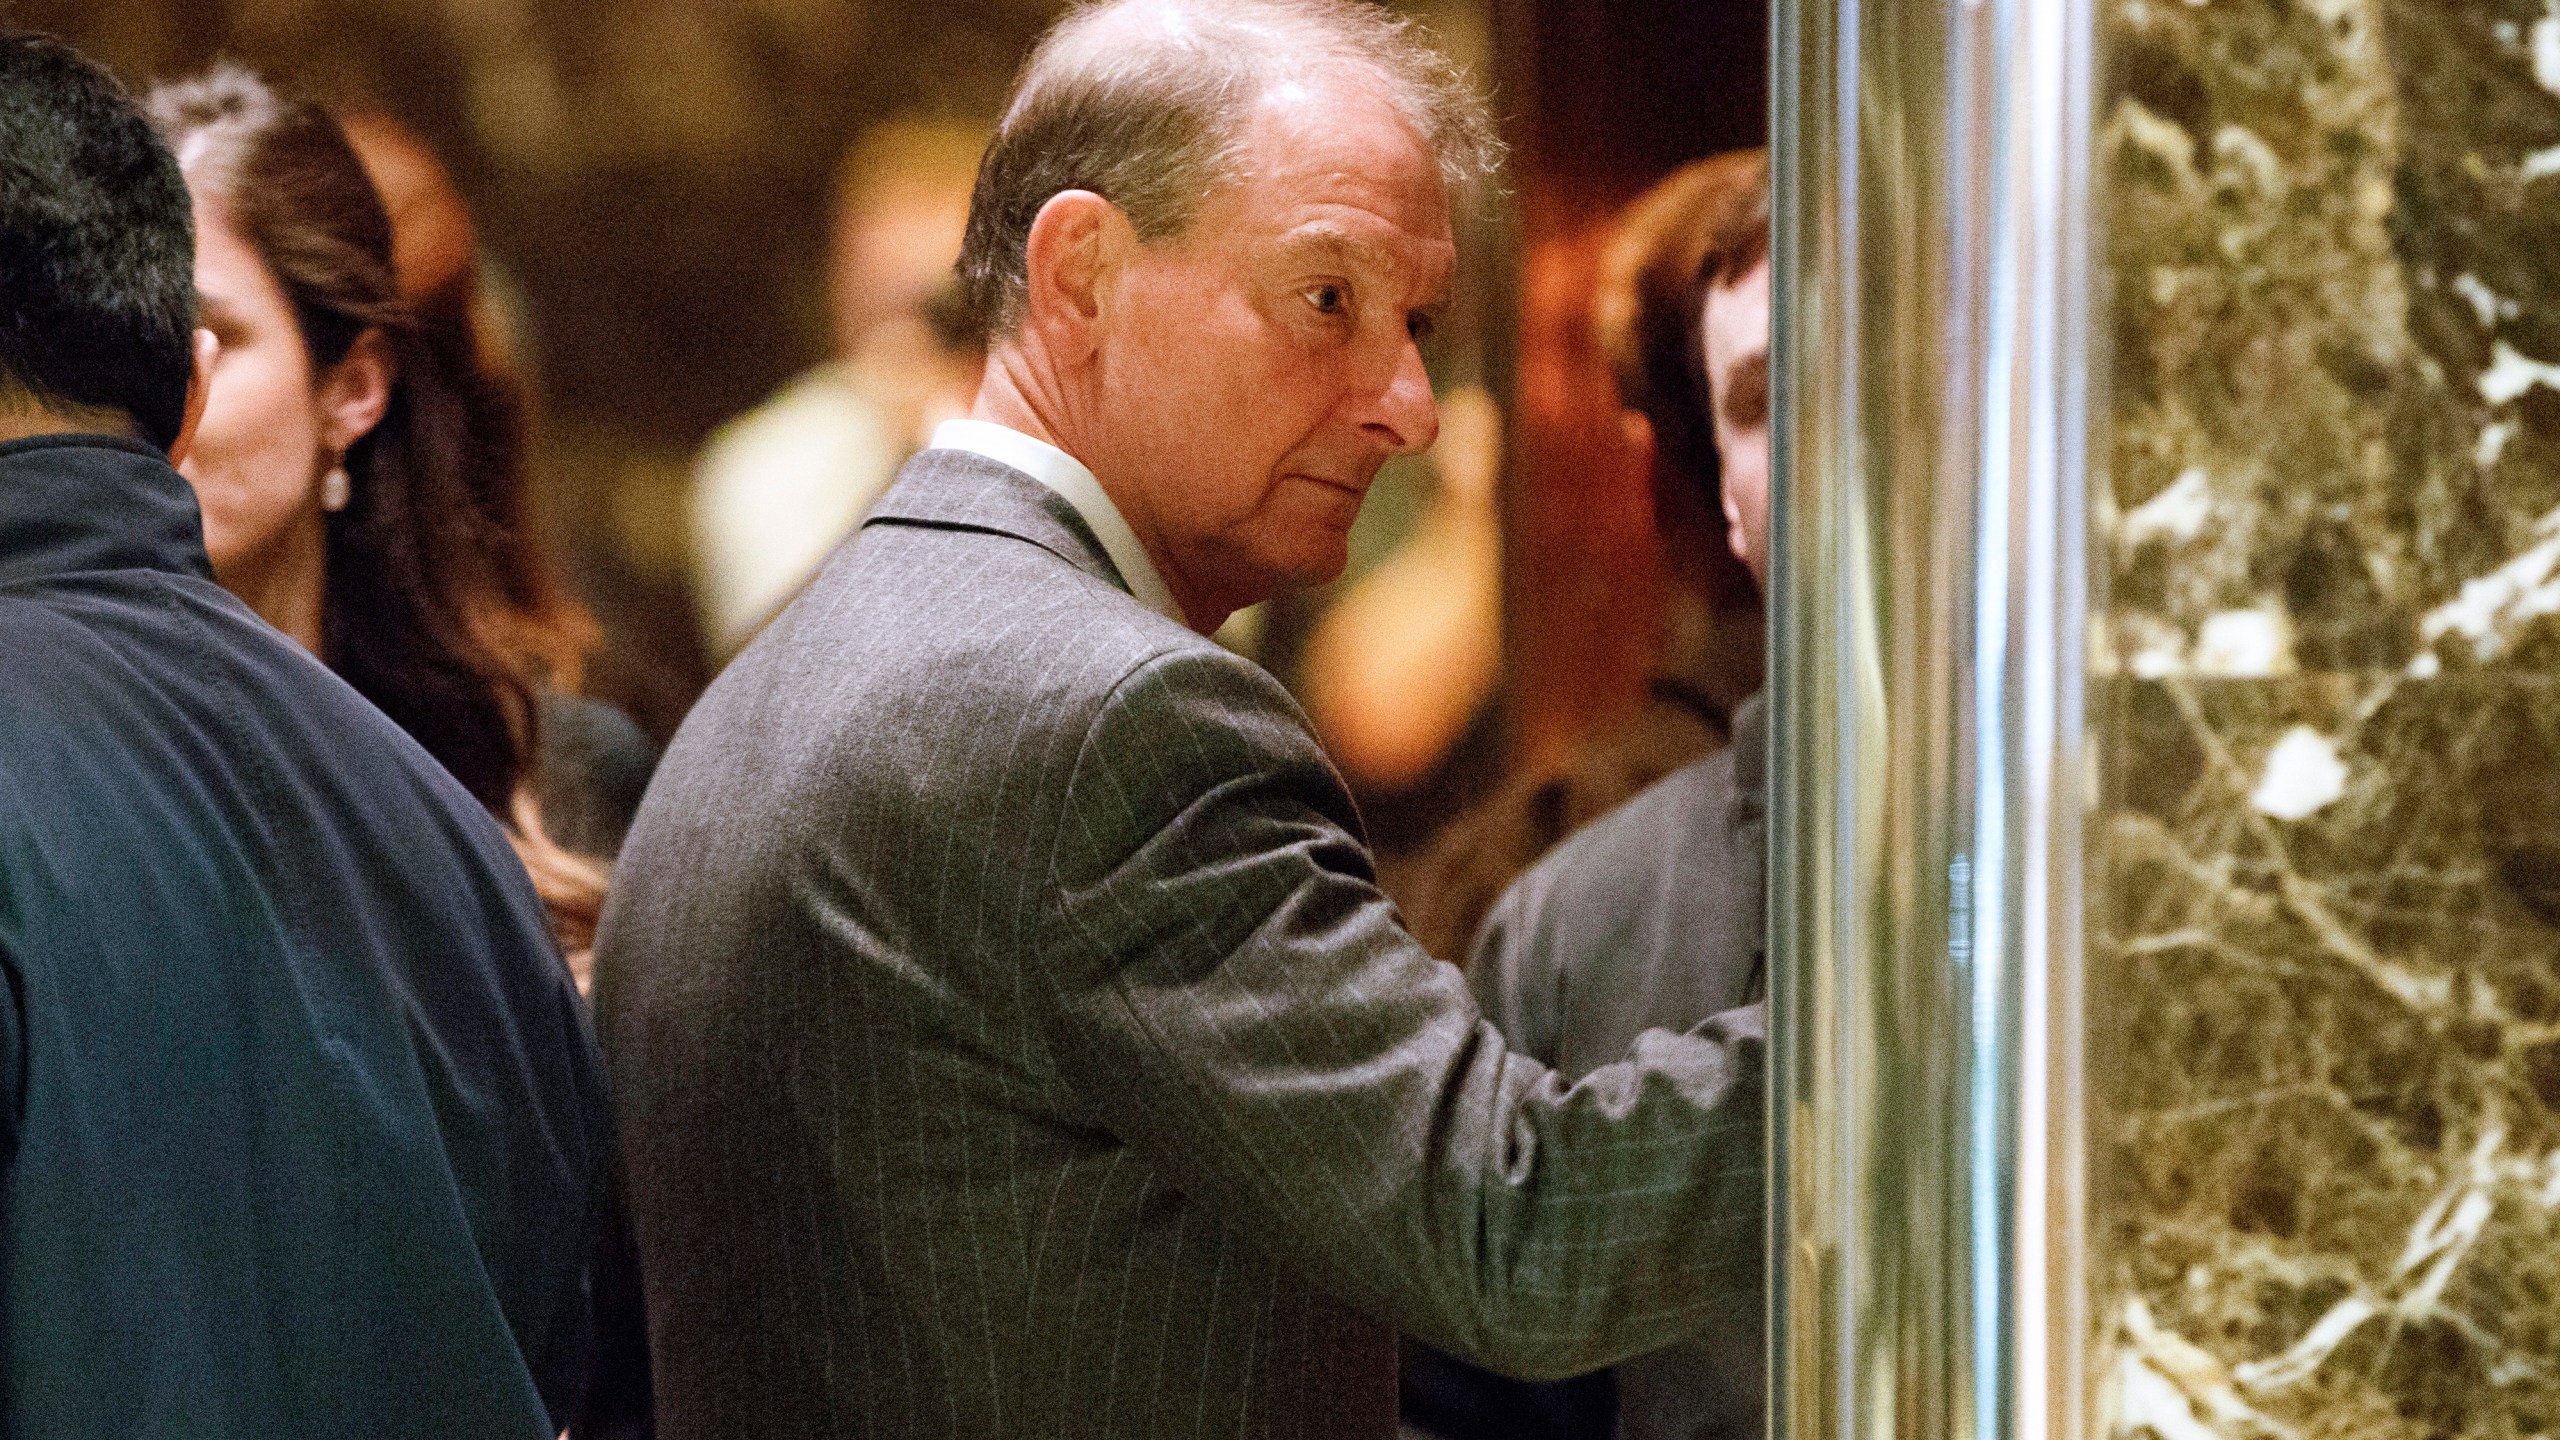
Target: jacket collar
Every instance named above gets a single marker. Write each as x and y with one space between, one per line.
962 490
1068 476
77 503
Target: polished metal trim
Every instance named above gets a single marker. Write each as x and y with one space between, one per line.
1930 600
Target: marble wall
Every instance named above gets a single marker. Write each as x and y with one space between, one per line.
2325 885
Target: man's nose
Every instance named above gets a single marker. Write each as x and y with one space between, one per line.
1405 416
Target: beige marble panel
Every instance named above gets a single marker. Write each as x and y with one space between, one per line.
2325 973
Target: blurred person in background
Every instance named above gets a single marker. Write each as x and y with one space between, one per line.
302 1131
1654 916
594 761
779 487
335 464
1710 638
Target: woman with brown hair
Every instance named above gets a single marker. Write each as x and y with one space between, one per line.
335 462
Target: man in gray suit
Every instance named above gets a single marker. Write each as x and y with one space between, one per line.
1011 1037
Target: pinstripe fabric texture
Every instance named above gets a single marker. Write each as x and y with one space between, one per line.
1010 1041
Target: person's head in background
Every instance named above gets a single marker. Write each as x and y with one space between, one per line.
901 204
98 334
437 263
1645 318
1732 352
332 464
893 305
1207 241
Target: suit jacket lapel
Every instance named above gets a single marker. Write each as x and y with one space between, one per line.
961 490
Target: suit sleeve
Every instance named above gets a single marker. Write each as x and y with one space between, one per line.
1235 996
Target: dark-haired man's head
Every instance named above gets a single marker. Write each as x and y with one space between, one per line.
97 255
1645 313
1733 358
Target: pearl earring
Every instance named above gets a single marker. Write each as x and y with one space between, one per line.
334 488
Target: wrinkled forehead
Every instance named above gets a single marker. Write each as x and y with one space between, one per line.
1329 171
1336 115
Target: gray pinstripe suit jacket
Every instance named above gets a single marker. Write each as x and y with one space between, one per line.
1010 1041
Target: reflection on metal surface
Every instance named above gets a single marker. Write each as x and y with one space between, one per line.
1929 602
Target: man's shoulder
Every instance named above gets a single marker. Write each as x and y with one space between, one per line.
970 577
133 660
1205 708
1624 850
942 608
156 711
1586 905
938 661
77 645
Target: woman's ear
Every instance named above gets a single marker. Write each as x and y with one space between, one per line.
356 391
203 350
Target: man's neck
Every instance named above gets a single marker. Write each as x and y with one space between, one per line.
1003 400
23 417
1009 397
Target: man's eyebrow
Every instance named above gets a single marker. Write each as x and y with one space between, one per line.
1324 243
1328 242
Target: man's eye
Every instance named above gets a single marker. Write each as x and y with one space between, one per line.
1328 299
1748 405
1421 328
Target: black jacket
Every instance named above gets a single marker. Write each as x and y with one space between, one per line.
302 1122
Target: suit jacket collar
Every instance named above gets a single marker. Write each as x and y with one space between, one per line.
76 503
962 490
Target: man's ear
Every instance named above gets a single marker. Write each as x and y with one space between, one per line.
199 389
356 391
1076 244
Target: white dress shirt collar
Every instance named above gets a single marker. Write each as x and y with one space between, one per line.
1075 484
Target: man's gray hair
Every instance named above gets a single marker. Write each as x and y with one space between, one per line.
1144 102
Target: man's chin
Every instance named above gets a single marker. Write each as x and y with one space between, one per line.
1302 545
1324 548
1311 561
